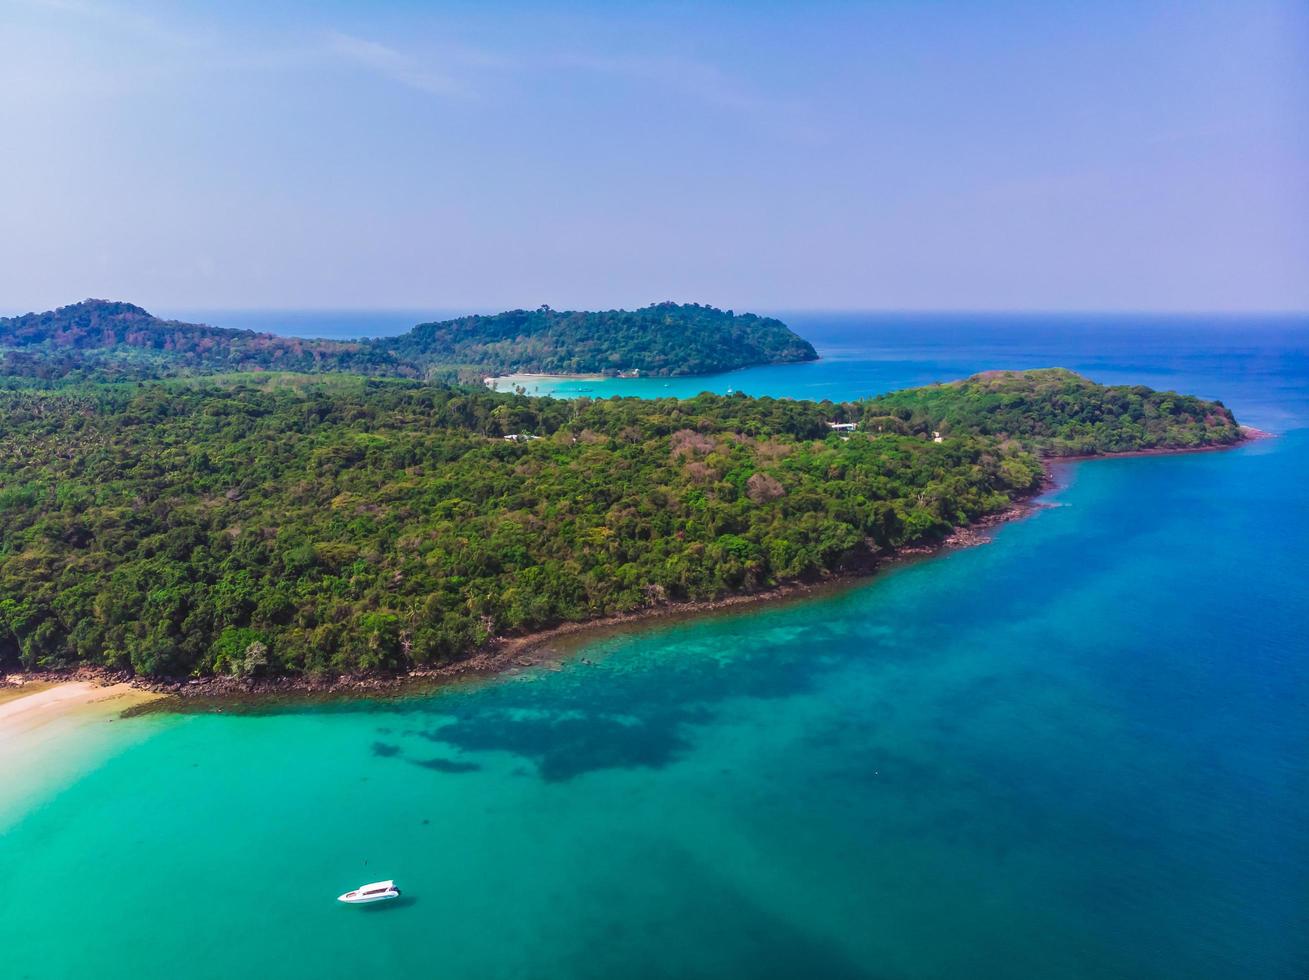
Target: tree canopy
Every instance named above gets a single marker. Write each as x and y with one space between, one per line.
1059 413
101 340
290 524
663 339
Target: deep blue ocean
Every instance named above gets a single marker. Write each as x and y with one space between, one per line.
1078 751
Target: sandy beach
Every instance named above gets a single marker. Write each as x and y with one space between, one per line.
25 709
507 382
51 730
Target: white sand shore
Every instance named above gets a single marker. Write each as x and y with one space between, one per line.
507 382
25 713
51 735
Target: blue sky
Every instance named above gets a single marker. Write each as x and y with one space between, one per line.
1046 156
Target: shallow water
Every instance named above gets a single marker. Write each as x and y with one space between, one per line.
1079 751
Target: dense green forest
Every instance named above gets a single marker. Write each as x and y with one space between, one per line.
664 339
334 524
1057 412
101 340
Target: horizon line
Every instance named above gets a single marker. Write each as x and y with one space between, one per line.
487 309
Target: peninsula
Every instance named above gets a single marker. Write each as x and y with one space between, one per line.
305 526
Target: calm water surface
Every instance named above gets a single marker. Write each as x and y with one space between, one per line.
1079 751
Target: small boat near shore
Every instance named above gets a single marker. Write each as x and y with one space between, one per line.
378 891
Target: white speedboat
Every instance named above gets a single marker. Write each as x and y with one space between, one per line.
378 891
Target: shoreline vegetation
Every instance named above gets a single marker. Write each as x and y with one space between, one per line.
500 656
506 655
503 654
298 532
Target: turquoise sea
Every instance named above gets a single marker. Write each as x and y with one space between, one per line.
1081 750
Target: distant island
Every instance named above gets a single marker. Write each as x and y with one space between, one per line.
297 526
663 340
101 340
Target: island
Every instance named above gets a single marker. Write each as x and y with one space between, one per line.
312 527
663 340
99 340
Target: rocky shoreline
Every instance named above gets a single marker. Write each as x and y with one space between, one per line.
505 655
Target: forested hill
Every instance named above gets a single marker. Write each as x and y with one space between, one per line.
108 340
663 339
122 340
282 524
1056 412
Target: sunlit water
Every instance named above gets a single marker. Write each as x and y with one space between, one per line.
1079 751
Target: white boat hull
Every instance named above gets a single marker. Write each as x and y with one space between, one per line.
368 900
379 891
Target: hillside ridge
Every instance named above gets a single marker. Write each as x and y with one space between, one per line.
113 339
